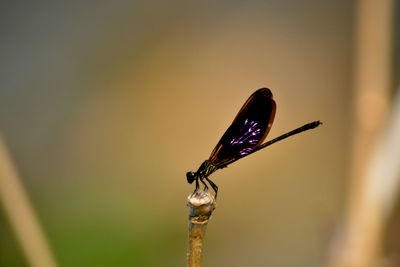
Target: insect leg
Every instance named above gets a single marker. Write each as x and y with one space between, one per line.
205 185
214 186
197 184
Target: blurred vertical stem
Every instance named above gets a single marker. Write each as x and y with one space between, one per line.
21 214
361 243
201 205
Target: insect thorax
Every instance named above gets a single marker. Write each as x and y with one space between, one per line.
206 169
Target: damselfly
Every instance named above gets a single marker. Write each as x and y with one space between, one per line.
244 137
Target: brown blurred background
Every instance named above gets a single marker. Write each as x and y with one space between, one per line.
105 105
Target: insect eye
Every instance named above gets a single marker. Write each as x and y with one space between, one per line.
190 177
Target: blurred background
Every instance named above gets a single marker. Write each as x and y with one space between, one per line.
104 106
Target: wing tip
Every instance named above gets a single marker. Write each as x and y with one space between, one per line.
266 91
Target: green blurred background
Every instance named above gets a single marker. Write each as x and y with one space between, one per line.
104 106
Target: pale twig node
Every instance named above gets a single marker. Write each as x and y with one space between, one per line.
201 205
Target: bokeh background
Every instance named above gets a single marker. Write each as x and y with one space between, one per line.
104 106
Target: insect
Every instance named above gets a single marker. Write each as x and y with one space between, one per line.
244 137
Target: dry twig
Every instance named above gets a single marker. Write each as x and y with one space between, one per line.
201 205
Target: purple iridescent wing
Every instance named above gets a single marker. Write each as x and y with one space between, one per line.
247 131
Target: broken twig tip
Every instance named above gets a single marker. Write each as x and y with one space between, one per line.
201 205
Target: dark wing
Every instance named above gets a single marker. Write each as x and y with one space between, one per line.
248 129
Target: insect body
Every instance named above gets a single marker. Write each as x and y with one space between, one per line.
244 136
